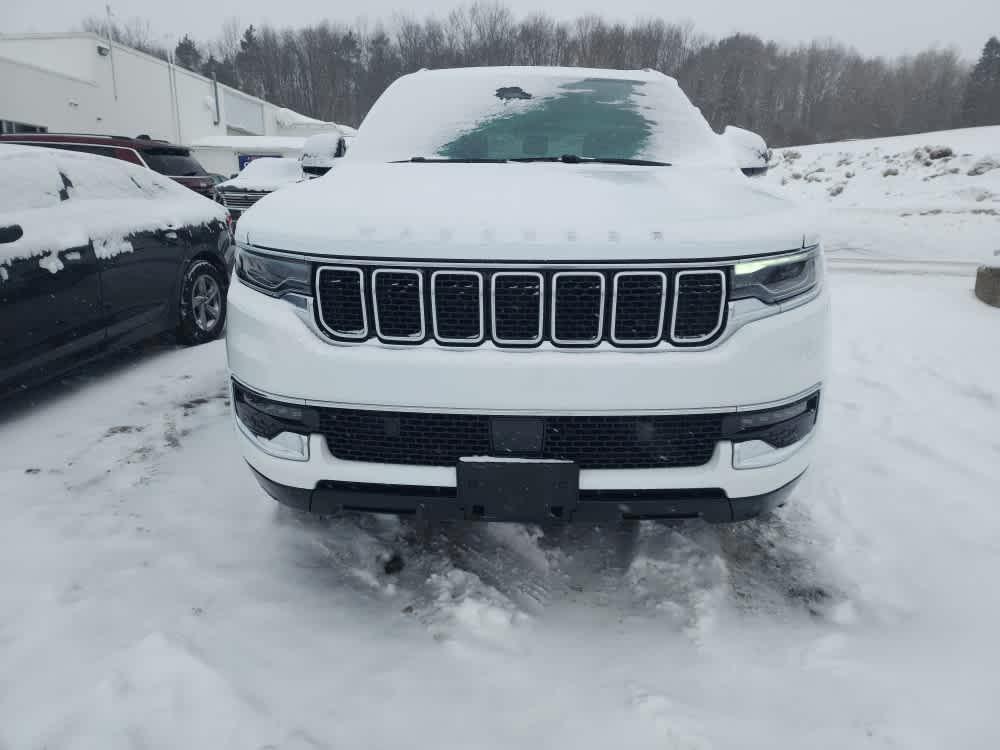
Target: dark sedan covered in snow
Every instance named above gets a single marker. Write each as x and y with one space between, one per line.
96 254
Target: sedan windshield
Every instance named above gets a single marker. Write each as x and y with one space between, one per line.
526 114
173 162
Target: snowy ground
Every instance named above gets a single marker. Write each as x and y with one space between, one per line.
153 596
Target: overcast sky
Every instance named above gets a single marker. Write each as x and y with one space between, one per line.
875 27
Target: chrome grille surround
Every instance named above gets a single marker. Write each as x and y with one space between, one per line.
434 307
361 333
615 339
553 315
537 339
421 331
720 318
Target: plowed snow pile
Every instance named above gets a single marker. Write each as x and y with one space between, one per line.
941 190
153 597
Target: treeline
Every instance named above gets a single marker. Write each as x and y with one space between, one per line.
811 93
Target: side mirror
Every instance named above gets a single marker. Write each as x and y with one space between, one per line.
748 149
10 233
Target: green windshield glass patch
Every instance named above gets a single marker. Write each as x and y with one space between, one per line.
594 118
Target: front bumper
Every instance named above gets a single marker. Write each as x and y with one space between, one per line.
438 503
273 350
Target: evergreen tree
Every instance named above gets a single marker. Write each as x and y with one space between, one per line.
187 54
982 93
223 70
248 63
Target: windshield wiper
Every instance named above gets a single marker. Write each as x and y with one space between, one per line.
425 160
574 159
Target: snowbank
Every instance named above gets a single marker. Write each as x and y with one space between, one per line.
933 186
63 199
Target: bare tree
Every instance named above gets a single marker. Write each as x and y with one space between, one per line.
817 91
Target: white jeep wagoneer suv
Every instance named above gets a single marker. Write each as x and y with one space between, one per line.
530 294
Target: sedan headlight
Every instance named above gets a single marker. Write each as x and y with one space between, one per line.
273 274
778 278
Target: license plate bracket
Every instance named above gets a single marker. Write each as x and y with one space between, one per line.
517 489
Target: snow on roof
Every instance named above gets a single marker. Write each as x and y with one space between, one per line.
251 143
289 118
267 173
536 111
66 199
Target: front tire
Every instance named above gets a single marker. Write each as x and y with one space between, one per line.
203 304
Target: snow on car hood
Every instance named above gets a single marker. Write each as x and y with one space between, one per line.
266 173
538 211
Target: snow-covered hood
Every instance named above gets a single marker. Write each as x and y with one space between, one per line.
266 174
538 211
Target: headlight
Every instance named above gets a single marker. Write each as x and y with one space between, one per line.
273 274
776 279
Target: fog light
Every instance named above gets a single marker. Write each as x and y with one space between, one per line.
756 454
288 445
769 436
280 429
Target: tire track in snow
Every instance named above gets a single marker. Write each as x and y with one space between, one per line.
482 580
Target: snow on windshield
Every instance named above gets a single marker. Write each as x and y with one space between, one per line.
322 145
267 173
63 199
508 113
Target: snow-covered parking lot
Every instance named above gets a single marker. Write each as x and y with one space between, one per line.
154 597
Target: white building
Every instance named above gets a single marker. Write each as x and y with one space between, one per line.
82 83
228 154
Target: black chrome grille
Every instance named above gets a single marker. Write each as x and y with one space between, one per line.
570 308
399 304
593 442
699 297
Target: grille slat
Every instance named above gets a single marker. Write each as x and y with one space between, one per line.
342 304
399 304
465 307
699 300
241 199
593 442
458 306
518 300
577 307
638 307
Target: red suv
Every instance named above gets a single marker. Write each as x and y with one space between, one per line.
172 161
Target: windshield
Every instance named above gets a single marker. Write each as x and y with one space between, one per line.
535 113
173 162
